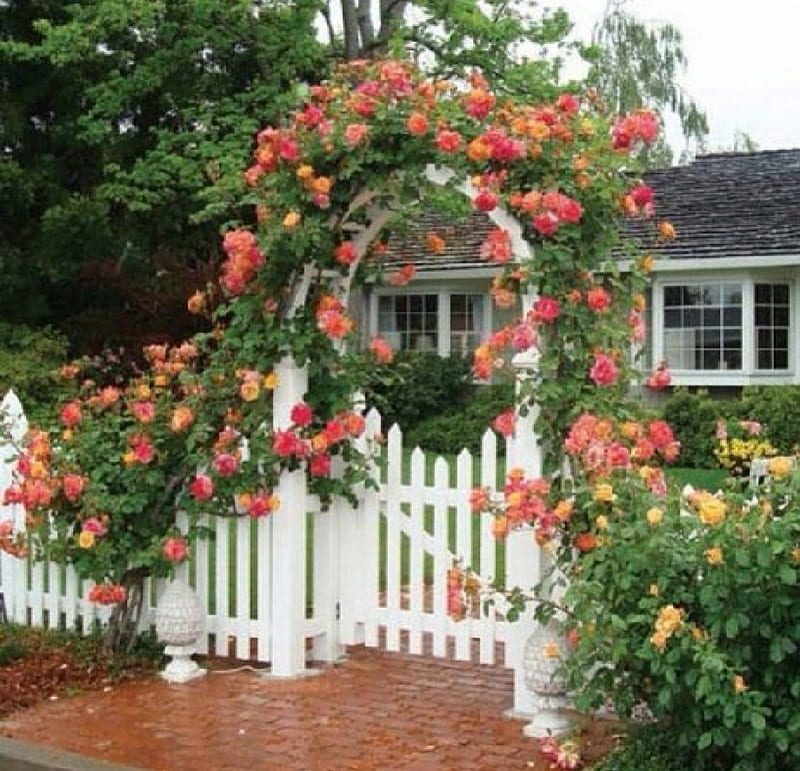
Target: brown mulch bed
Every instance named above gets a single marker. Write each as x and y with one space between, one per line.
37 665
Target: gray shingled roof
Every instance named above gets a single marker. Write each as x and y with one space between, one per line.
722 205
731 204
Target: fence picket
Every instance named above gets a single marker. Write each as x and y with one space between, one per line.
393 540
441 557
242 573
220 587
416 533
371 518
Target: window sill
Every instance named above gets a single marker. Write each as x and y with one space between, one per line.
729 378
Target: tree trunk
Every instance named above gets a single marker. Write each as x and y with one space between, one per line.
120 634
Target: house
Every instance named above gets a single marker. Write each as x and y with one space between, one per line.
725 294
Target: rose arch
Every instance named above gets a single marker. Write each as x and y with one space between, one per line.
324 192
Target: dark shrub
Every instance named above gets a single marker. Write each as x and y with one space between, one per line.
693 418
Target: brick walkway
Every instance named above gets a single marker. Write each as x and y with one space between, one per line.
376 711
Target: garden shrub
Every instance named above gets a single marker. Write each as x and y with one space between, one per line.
29 364
693 606
463 428
778 409
418 385
649 747
693 417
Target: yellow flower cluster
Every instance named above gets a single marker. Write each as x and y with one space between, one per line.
736 454
669 621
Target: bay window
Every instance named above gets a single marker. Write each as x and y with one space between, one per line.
448 323
739 326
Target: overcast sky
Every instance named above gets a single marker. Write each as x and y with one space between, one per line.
743 62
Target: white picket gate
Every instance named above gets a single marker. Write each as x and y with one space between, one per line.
376 573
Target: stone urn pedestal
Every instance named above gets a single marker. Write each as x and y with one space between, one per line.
542 657
179 624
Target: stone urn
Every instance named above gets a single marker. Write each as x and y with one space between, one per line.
542 657
180 620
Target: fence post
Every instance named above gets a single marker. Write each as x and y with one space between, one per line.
523 556
289 537
13 571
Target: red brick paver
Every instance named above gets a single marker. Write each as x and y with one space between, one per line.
376 711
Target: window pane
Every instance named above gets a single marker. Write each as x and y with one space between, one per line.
764 293
780 294
763 316
772 313
466 323
780 317
702 326
672 296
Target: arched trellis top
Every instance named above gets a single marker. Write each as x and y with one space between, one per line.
378 217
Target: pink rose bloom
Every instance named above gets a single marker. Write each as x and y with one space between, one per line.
486 200
604 372
448 141
175 549
285 443
301 414
94 526
73 485
355 133
546 223
201 488
660 433
659 380
546 309
504 423
226 464
598 299
523 337
320 465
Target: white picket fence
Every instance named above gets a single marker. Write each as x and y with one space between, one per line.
376 573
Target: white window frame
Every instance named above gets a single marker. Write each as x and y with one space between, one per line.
749 374
443 302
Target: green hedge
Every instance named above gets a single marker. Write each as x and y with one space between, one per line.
30 360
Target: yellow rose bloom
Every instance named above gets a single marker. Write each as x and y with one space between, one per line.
601 522
249 390
604 492
739 685
780 467
712 511
654 516
714 555
86 539
271 381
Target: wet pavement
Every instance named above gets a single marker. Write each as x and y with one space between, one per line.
375 711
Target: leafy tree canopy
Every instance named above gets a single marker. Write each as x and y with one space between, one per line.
115 116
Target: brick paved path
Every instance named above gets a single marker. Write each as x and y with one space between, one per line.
376 711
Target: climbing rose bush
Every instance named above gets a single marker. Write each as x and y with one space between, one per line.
324 190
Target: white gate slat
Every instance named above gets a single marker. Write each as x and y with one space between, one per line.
53 595
220 587
488 479
201 584
393 540
36 596
242 573
371 518
71 597
264 589
441 557
417 540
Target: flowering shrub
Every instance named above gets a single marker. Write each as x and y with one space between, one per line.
740 441
99 487
690 604
322 186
